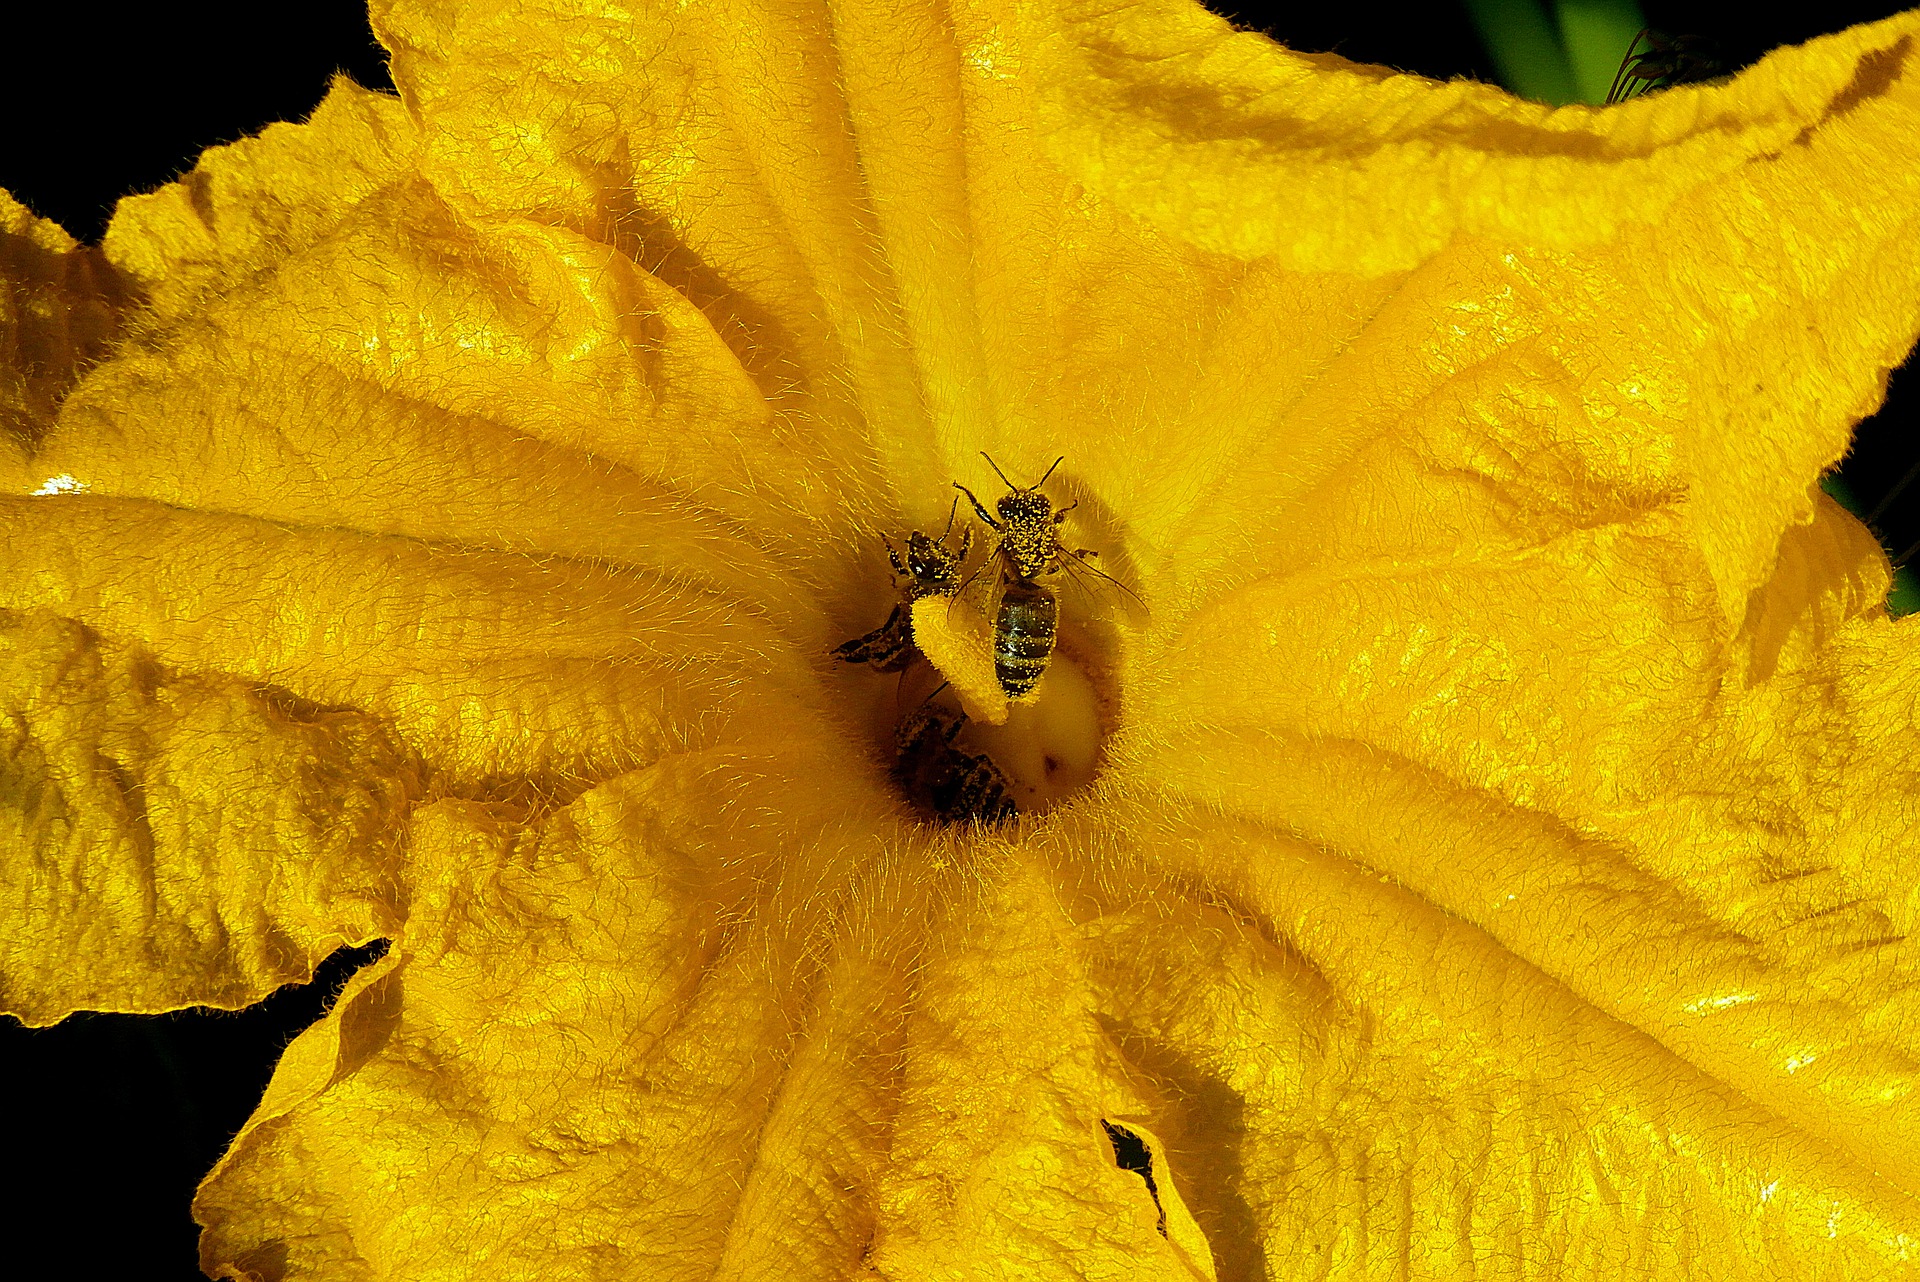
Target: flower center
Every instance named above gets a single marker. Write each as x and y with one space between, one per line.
1050 746
1044 744
992 716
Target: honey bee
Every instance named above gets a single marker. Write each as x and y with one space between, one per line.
954 785
1026 620
930 568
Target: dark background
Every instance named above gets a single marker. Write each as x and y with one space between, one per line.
113 1119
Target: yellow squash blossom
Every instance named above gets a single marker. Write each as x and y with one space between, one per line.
1487 848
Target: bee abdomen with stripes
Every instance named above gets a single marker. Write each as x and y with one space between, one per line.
1023 633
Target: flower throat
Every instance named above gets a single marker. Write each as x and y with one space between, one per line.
996 724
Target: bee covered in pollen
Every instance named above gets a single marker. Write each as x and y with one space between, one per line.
955 786
930 568
1026 620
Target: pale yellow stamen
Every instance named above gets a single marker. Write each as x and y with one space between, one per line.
1047 743
959 642
1050 743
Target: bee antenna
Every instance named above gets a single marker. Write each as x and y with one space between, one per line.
924 702
1043 480
931 697
996 470
950 515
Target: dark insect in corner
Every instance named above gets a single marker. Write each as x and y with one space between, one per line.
1665 62
1025 622
953 785
930 568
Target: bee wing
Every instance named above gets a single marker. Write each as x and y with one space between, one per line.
1075 564
991 558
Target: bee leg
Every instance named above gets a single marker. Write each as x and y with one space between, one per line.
888 647
1061 515
899 566
976 504
914 725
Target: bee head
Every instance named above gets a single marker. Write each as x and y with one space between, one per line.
1024 507
929 561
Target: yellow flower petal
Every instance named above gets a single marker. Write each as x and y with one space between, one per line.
60 307
1496 849
1380 1080
574 1045
177 840
1224 139
246 207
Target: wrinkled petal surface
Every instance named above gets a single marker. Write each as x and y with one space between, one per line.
431 522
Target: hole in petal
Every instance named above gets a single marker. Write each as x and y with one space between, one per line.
1130 1153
